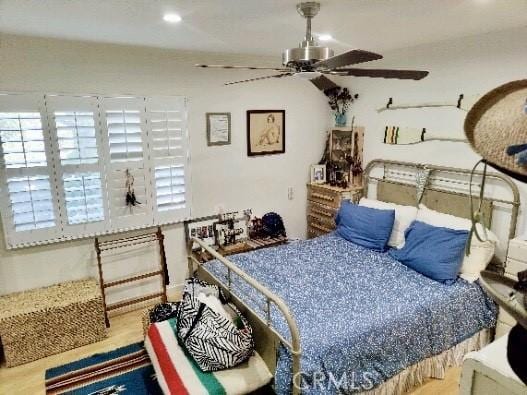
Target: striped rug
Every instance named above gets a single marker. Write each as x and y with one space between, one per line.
125 370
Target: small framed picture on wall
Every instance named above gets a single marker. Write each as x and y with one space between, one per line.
265 132
218 128
318 174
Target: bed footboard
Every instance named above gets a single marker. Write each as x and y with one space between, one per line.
267 338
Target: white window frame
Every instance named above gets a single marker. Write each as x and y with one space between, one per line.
62 103
168 104
47 105
138 168
27 103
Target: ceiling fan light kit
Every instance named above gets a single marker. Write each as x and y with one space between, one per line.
312 62
307 75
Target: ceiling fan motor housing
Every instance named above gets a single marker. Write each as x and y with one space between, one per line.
304 56
308 51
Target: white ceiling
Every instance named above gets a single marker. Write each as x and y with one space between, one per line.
262 27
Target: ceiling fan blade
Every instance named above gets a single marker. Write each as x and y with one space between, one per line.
323 83
259 78
382 73
347 58
221 66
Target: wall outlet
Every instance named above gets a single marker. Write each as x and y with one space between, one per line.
290 194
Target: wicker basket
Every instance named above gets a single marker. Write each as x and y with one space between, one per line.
46 321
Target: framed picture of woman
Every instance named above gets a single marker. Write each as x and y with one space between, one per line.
265 132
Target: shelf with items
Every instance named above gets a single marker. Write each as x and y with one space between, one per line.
345 156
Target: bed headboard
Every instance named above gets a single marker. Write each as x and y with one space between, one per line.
446 191
443 201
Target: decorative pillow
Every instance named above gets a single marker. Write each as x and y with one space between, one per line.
481 253
432 251
365 226
404 216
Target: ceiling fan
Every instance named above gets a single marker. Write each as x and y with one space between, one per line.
313 62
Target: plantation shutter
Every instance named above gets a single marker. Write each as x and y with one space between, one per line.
27 191
75 122
126 146
169 158
65 162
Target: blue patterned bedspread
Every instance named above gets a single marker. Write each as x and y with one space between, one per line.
363 316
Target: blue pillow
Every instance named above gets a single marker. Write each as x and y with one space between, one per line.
365 226
432 251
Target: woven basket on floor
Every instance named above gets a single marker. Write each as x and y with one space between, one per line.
50 320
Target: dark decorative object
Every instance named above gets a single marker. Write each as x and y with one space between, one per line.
265 132
256 230
325 156
163 311
130 199
356 162
273 225
340 100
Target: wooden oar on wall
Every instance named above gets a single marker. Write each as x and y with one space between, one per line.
397 135
463 103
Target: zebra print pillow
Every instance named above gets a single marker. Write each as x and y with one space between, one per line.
214 341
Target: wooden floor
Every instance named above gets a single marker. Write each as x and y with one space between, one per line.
28 379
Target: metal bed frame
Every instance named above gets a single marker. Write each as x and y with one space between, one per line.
397 188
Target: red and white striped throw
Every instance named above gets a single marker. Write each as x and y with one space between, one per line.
178 374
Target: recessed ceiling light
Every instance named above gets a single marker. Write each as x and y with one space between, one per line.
172 18
325 37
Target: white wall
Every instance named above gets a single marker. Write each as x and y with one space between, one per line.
471 65
220 175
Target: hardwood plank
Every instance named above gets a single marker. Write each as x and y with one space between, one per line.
126 329
29 378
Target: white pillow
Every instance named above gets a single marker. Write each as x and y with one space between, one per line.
481 253
404 216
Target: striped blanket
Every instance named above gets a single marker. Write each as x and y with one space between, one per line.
177 373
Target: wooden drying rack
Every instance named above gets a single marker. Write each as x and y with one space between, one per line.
162 271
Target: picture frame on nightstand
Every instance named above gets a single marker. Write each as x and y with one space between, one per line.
318 174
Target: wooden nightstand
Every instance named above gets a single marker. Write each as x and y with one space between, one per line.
323 202
516 262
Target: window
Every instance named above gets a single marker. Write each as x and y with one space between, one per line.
125 127
76 137
31 202
168 140
83 195
22 139
27 203
125 135
68 162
